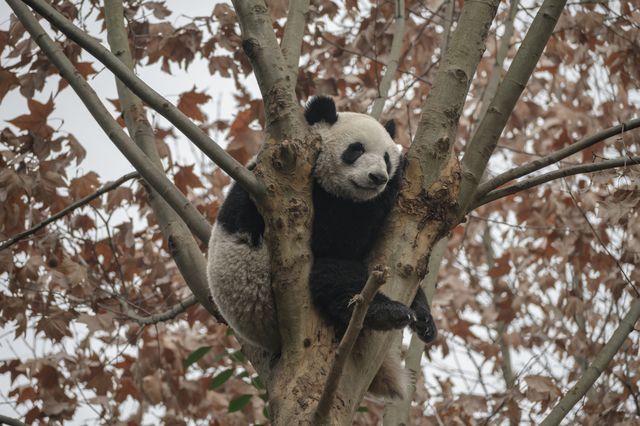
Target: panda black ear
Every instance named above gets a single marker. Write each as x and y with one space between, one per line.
320 108
391 128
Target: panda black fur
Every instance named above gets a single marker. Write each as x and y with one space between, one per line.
356 180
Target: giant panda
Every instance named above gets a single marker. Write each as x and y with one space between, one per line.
356 180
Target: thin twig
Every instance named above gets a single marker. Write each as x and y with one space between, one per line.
596 368
67 210
554 157
169 314
602 244
152 98
392 64
556 174
151 173
361 301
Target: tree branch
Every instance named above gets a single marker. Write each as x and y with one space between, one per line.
183 247
392 64
377 278
554 157
293 34
152 174
492 86
67 210
483 143
6 420
397 412
433 144
151 98
596 368
556 174
447 25
169 314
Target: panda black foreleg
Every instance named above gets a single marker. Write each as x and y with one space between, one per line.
424 326
334 282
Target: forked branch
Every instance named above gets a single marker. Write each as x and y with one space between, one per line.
555 157
556 174
485 139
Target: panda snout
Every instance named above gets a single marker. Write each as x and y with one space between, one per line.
378 178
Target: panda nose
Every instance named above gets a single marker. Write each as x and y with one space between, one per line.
378 178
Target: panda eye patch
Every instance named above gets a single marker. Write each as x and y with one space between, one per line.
387 161
352 153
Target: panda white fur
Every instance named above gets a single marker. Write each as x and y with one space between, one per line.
356 179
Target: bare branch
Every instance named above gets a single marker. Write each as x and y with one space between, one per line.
293 34
169 314
596 368
447 25
152 174
151 98
492 86
6 420
556 174
377 278
483 143
433 143
269 66
555 157
392 64
72 207
184 248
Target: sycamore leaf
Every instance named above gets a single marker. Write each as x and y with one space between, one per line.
8 81
36 120
185 178
190 102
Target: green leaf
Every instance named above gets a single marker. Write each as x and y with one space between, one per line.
257 383
265 412
363 409
196 355
237 356
239 403
220 378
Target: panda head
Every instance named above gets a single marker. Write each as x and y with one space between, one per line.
358 156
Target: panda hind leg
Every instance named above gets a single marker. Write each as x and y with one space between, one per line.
391 381
334 282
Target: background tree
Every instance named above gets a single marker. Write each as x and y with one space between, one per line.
104 300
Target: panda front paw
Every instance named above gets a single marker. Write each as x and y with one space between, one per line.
399 316
425 327
390 315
